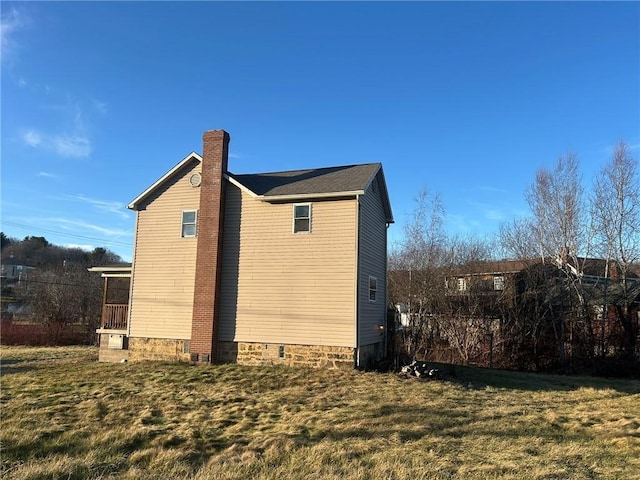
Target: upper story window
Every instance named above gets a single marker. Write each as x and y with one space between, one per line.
373 289
189 223
302 218
462 284
498 282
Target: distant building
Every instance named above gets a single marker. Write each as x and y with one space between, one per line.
12 270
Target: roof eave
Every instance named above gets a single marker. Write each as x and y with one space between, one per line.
116 271
385 196
308 196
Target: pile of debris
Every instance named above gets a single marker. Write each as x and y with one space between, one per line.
420 370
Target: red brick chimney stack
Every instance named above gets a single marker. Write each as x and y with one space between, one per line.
206 301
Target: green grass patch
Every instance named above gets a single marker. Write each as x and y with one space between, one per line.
64 415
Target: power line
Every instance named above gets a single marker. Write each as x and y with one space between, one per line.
65 284
70 235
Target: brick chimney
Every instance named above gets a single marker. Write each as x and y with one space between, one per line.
206 300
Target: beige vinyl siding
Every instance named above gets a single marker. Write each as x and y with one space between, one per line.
281 287
164 262
373 254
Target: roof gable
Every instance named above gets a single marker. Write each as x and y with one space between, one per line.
192 157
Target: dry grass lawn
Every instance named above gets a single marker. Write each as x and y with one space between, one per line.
65 416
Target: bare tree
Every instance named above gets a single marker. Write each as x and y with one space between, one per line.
417 278
60 298
616 213
556 201
516 239
564 235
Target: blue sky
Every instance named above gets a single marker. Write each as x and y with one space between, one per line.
469 99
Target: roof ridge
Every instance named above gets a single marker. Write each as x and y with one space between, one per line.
306 169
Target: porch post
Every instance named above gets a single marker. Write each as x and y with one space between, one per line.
104 301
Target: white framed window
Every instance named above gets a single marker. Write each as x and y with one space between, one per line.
498 282
373 289
462 284
302 218
189 223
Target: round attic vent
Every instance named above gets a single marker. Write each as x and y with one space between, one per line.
195 180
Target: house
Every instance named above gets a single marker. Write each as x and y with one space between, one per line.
13 270
485 278
282 267
588 294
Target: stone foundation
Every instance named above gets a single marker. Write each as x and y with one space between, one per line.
158 349
245 353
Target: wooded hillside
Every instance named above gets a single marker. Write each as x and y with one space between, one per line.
48 296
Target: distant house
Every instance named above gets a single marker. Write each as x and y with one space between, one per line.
611 307
280 267
485 278
597 277
12 269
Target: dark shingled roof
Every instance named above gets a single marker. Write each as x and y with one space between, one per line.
348 178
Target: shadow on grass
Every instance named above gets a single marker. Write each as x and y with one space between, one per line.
440 429
478 378
15 366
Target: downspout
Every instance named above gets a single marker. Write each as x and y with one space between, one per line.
357 287
386 293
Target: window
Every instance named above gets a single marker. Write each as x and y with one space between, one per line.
498 282
462 284
302 218
189 219
373 289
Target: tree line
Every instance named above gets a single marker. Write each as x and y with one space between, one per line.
56 293
566 298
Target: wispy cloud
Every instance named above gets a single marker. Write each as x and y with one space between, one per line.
69 137
116 208
489 189
73 145
48 175
32 138
65 145
99 106
67 224
494 215
11 22
490 211
460 224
